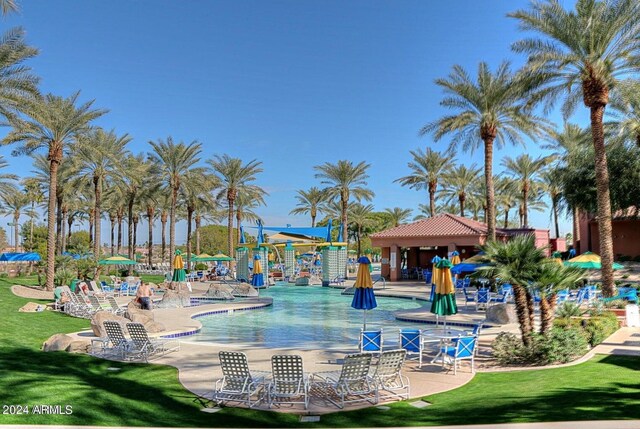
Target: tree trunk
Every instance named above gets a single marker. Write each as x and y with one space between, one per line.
521 215
130 228
63 240
16 220
136 220
163 222
172 224
522 311
238 221
554 207
461 199
576 228
604 201
230 201
51 222
525 208
547 313
198 221
432 198
112 221
150 215
531 309
490 211
189 218
97 186
119 248
506 218
58 220
313 221
70 220
33 207
359 241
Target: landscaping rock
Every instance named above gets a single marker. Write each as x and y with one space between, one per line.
79 346
502 314
97 322
174 299
219 291
57 342
137 315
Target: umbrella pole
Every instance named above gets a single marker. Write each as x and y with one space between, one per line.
365 320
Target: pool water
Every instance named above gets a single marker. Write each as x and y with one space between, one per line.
311 317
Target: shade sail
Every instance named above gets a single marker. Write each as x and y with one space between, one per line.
116 260
20 257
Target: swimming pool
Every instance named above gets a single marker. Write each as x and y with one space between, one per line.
309 317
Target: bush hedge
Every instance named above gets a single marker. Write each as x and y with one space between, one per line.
596 328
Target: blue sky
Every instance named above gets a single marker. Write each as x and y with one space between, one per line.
292 83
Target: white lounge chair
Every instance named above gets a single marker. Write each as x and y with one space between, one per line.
351 384
238 384
142 347
289 383
387 375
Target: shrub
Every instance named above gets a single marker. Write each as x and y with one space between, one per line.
4 275
561 345
598 328
63 276
200 266
616 303
568 309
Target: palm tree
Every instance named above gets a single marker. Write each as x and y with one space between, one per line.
174 160
52 123
360 216
97 156
33 190
344 180
149 200
309 202
8 6
458 181
507 196
195 190
209 209
165 207
233 177
18 87
134 172
526 172
397 216
625 104
426 168
583 54
552 278
423 212
490 110
516 262
551 185
13 203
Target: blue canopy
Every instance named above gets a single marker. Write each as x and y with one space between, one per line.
465 267
20 257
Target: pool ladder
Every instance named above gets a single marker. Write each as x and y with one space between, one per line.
384 282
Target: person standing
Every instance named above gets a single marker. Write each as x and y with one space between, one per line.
144 295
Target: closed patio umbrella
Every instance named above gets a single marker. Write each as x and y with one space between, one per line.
363 297
257 280
455 257
179 275
444 302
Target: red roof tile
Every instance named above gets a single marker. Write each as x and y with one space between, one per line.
445 224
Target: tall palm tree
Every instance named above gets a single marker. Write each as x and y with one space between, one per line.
582 54
344 180
174 160
625 105
165 207
14 202
397 216
246 201
360 218
507 197
423 212
551 185
526 170
309 202
52 123
35 195
18 87
196 189
458 182
8 6
233 177
133 173
150 201
426 168
491 110
97 156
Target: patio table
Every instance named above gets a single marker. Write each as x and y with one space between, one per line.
443 336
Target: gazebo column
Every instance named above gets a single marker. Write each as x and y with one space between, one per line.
451 247
384 266
394 263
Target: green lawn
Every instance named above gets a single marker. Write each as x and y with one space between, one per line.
607 387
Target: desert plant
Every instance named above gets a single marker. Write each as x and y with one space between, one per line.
568 309
63 277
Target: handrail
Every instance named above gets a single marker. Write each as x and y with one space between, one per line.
384 282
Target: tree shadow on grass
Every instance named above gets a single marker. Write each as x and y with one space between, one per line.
134 395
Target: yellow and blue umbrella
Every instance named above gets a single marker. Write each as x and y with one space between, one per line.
257 280
455 257
179 275
444 302
363 297
589 261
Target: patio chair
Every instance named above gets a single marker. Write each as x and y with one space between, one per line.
95 304
124 289
502 298
387 375
468 296
115 342
238 384
404 273
115 308
370 341
108 290
459 285
142 347
466 281
411 342
482 298
463 349
289 383
351 384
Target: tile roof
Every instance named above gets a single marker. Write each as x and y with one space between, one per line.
445 224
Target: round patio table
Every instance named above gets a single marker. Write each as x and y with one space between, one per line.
443 336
